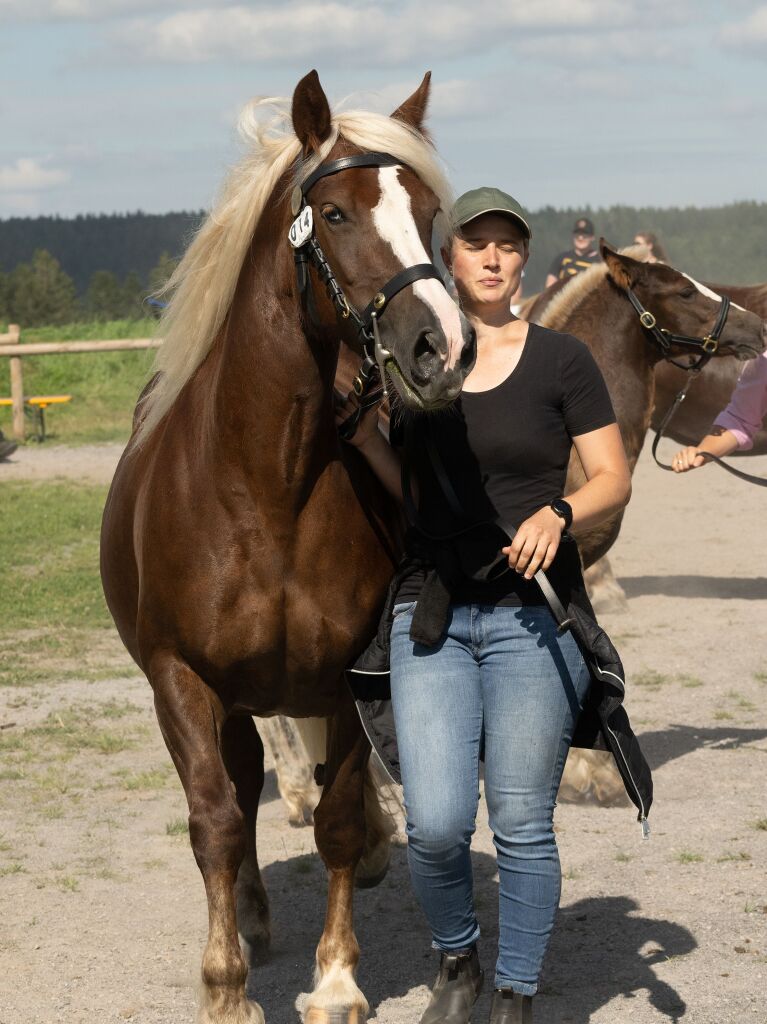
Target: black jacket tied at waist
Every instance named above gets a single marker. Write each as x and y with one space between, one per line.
603 722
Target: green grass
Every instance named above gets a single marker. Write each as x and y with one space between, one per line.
104 385
650 679
156 778
691 682
177 827
760 824
49 557
687 857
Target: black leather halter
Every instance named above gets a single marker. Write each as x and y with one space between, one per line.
366 321
665 339
709 345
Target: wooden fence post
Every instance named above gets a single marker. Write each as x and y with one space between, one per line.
17 385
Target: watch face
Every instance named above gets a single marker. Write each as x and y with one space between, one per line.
562 508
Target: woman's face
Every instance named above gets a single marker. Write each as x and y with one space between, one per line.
486 261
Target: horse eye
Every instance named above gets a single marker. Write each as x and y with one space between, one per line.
687 293
332 214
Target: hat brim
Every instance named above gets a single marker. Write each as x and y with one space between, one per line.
520 221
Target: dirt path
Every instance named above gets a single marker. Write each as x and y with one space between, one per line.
91 463
102 915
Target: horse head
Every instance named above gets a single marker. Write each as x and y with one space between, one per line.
369 251
683 316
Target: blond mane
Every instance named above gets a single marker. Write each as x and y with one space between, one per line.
203 285
558 312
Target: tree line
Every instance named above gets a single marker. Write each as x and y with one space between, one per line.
101 267
41 293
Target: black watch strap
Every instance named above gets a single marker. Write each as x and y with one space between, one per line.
564 510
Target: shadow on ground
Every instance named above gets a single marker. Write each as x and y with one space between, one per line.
678 740
720 587
601 948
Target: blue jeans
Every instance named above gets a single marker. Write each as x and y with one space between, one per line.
502 672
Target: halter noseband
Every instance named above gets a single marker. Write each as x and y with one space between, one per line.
665 338
308 250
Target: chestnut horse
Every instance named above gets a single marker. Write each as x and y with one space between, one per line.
711 392
595 307
245 550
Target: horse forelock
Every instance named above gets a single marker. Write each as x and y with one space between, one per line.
202 288
558 312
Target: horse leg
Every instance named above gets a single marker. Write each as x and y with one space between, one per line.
339 829
293 767
191 717
383 814
243 754
605 592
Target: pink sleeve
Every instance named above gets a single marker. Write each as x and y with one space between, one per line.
748 404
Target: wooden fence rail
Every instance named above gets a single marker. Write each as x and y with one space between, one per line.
10 346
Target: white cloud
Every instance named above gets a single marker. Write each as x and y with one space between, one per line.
636 47
85 10
748 35
371 32
28 175
449 99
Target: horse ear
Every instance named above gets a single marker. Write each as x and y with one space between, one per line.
413 111
310 112
622 269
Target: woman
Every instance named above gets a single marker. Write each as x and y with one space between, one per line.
737 425
657 253
498 674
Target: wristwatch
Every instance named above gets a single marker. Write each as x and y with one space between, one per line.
563 510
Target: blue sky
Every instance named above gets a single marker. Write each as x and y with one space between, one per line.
115 105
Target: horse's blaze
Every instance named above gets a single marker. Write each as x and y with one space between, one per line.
393 219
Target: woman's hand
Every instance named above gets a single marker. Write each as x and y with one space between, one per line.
535 543
367 427
686 459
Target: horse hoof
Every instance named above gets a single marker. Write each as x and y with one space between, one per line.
371 881
342 1015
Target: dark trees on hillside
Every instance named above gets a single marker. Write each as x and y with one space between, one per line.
42 293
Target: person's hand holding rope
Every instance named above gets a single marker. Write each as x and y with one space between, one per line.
687 459
535 543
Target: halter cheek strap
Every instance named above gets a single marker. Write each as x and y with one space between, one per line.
665 339
310 251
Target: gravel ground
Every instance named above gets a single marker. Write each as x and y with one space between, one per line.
102 912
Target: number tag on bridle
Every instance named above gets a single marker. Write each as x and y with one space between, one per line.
301 228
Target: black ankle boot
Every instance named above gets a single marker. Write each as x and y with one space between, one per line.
456 989
509 1007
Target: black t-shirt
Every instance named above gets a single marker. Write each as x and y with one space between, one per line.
570 263
506 452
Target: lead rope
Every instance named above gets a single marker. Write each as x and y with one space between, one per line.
680 397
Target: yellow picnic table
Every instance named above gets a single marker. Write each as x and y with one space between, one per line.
39 403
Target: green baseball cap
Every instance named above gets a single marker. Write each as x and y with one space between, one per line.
488 200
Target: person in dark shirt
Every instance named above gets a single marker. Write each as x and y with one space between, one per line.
500 676
582 255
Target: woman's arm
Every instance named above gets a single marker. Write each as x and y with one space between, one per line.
369 440
607 489
608 478
719 442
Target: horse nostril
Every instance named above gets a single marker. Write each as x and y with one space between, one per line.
424 346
